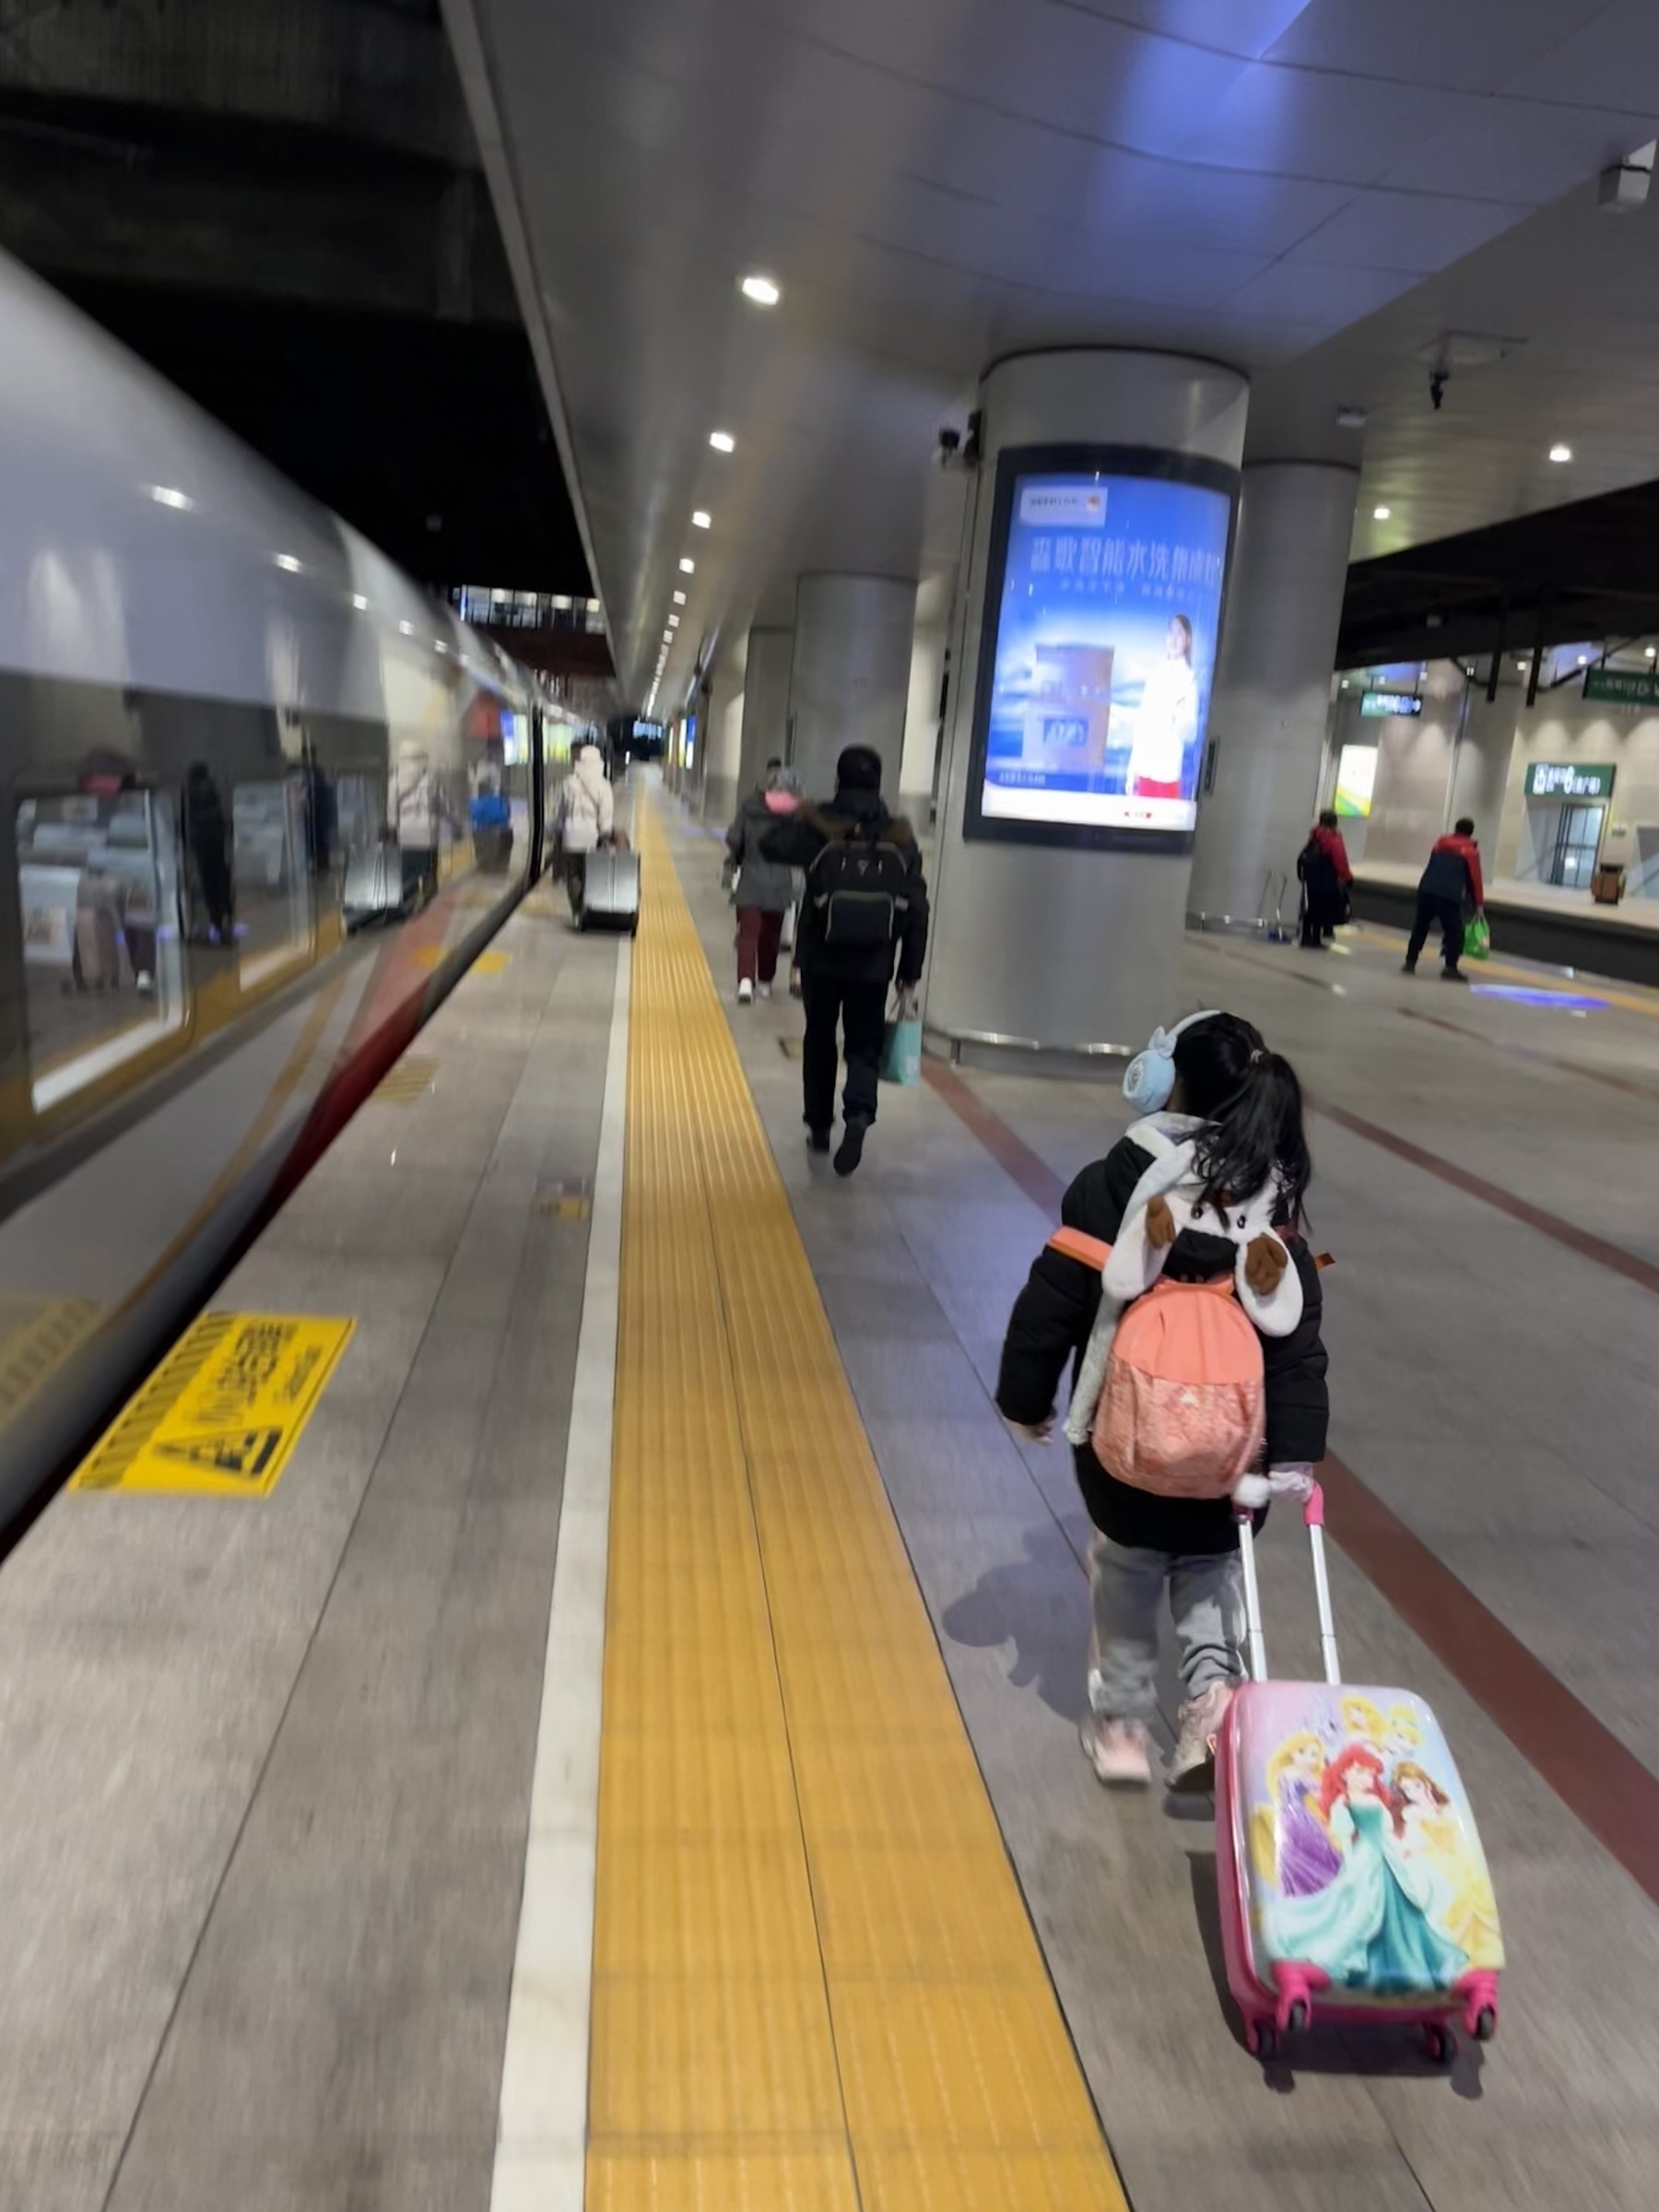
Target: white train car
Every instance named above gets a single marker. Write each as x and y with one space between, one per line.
222 714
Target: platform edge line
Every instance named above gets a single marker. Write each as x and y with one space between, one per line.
541 2128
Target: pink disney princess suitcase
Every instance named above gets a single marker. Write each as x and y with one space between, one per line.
1353 1885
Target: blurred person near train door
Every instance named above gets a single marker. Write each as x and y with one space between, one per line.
585 816
207 849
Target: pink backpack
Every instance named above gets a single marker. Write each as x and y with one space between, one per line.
1183 1409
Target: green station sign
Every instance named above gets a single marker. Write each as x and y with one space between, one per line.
1570 780
1623 686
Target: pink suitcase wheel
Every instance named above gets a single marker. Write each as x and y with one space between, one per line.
1438 2044
1486 2024
1261 2038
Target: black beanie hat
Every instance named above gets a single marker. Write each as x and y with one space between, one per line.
859 769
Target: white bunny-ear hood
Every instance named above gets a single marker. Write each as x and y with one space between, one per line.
1161 1133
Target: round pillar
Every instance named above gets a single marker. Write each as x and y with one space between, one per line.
850 675
765 703
1273 688
1065 948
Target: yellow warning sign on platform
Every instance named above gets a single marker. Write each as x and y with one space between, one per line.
222 1412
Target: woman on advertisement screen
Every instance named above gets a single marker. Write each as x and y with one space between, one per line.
1168 720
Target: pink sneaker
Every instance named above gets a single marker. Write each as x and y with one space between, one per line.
1191 1769
1119 1751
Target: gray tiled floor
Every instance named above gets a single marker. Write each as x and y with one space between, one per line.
268 1766
1499 1391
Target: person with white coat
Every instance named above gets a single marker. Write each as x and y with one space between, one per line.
586 814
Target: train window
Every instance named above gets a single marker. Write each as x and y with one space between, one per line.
97 881
270 858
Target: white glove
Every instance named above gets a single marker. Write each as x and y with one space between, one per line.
1251 1492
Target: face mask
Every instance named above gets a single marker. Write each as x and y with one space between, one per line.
1150 1076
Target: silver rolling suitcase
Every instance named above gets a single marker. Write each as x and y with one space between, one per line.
611 891
374 890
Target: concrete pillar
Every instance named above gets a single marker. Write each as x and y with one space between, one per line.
765 703
1039 939
850 675
1273 685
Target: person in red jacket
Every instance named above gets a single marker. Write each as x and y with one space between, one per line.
1322 865
1451 885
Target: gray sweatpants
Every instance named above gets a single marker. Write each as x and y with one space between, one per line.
1207 1601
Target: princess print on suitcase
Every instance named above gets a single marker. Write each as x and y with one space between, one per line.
1367 1927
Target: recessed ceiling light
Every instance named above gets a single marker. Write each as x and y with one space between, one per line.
668 637
1380 515
688 566
1651 650
358 601
407 628
679 598
288 562
674 621
1583 660
165 496
723 441
761 290
1344 683
701 518
1560 453
440 646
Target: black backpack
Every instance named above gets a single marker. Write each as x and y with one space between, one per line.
860 884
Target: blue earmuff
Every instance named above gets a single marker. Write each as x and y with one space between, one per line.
1150 1076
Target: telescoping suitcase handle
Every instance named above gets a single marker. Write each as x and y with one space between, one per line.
1314 1519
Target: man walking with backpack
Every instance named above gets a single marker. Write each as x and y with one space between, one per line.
865 906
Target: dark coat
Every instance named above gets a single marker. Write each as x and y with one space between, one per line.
1322 879
1051 1324
765 884
796 843
1454 872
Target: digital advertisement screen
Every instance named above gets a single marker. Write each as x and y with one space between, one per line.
1103 622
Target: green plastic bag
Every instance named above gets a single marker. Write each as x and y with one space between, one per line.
1478 939
902 1053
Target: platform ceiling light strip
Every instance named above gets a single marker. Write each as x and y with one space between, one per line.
814 1981
723 441
762 291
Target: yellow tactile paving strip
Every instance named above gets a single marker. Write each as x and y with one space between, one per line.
814 1982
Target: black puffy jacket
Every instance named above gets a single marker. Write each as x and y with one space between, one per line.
797 840
1051 1324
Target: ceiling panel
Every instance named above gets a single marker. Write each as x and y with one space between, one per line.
1416 232
1462 49
938 183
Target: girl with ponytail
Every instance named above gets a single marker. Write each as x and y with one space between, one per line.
1210 1183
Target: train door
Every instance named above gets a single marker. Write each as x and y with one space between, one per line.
538 795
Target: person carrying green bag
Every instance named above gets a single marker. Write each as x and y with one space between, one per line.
1450 884
1477 939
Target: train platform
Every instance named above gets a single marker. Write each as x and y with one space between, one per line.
627 1758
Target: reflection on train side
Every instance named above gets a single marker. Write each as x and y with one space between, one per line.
141 907
98 875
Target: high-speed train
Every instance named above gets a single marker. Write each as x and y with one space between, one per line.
227 724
